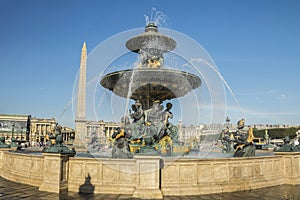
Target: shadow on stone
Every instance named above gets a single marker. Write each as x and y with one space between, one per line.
87 187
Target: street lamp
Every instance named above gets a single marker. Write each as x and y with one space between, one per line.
12 130
21 133
227 121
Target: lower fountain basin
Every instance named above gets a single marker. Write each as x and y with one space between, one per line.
148 85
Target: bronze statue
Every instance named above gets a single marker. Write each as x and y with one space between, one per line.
120 147
227 142
286 147
244 146
135 128
154 121
57 129
2 143
171 130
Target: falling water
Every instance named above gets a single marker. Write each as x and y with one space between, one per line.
156 17
65 109
70 103
200 60
100 103
129 93
206 147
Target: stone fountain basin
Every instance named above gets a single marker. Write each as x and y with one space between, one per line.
152 84
151 39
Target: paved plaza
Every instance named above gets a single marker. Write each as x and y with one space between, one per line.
12 190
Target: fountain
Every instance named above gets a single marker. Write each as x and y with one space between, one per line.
147 135
149 84
150 80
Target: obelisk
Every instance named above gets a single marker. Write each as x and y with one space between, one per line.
80 121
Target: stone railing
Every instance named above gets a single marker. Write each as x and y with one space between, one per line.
150 177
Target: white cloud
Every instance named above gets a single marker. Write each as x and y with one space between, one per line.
281 97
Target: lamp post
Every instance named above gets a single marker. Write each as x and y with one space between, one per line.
12 130
21 133
227 121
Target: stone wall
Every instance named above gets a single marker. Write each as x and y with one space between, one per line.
137 176
22 168
290 167
205 176
143 178
106 175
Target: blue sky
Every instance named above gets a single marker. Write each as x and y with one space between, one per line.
255 45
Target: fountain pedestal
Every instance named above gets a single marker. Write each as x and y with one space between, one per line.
79 142
148 177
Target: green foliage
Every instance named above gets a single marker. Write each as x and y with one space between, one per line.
277 133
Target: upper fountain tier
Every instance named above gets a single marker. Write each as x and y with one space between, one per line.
151 39
149 81
151 45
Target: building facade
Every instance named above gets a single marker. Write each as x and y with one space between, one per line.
40 129
103 131
189 134
68 135
31 130
17 126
